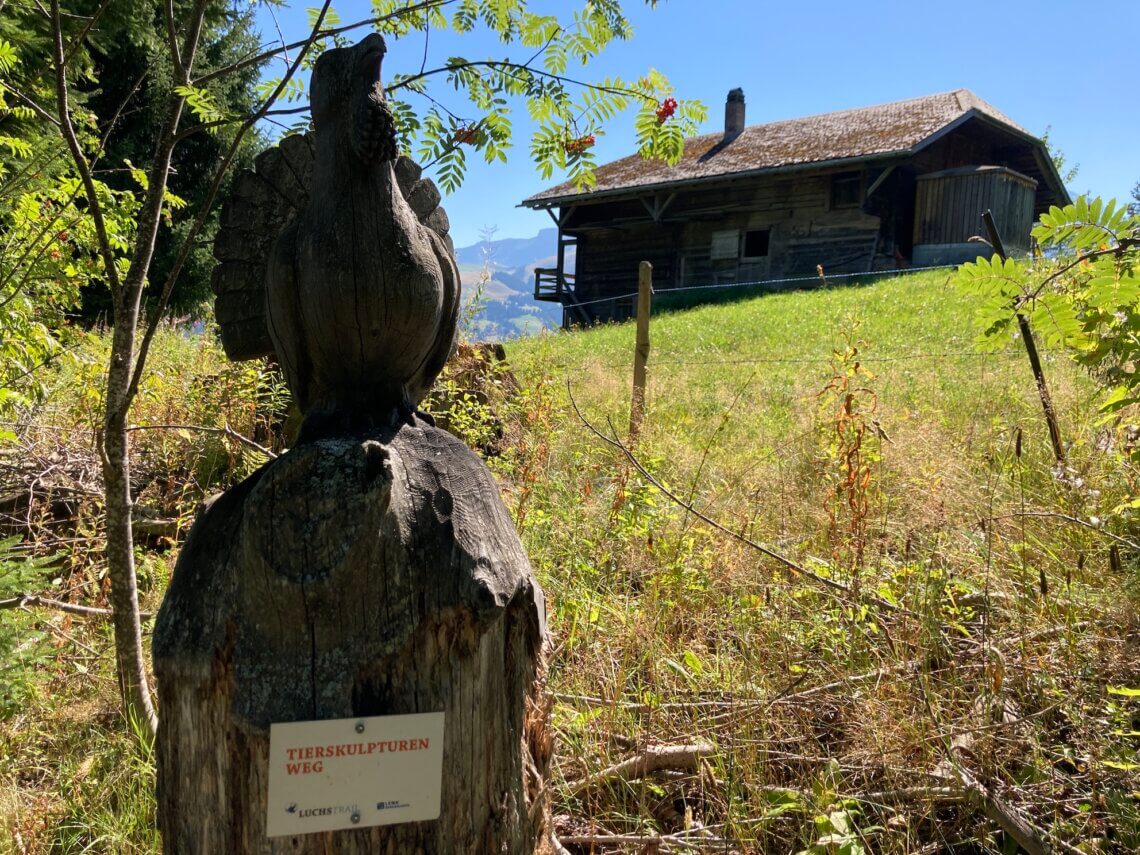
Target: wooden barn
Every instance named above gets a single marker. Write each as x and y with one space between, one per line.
855 191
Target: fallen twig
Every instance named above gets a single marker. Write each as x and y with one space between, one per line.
1047 632
639 840
33 600
223 431
782 698
1028 836
55 630
1034 840
1055 515
654 758
906 795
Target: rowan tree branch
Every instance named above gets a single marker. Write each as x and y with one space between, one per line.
318 33
180 71
30 103
88 26
520 67
77 42
1123 245
77 155
33 245
208 202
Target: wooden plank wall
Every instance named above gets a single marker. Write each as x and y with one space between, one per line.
975 142
948 208
613 237
607 262
803 232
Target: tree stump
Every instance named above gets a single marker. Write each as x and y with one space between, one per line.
354 576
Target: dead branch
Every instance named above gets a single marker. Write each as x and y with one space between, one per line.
318 32
1034 840
862 679
1046 633
156 527
1030 838
730 702
70 639
653 759
908 795
1054 515
226 431
648 842
35 601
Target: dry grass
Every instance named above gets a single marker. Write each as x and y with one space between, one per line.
72 777
1008 628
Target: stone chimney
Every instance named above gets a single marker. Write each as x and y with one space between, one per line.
734 114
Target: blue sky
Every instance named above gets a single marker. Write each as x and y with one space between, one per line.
1038 62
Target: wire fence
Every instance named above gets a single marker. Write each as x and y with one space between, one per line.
772 284
658 359
670 357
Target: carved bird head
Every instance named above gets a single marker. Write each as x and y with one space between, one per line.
347 96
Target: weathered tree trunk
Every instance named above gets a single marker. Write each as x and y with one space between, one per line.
354 576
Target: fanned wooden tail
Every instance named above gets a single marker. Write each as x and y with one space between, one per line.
263 201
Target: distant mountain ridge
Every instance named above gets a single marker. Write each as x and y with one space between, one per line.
504 269
511 252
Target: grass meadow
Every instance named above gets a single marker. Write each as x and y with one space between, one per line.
860 433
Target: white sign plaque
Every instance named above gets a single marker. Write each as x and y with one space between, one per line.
354 772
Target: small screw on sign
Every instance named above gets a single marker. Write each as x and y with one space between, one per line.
360 727
355 817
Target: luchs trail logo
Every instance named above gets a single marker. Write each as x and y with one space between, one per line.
308 812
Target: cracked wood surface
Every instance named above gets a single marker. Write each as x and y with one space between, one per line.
361 576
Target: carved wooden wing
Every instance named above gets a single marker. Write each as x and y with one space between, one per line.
264 200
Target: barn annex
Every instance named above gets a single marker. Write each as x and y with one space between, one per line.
899 184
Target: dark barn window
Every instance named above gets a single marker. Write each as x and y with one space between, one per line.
846 190
756 243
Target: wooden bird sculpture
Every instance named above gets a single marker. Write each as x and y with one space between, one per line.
335 256
371 569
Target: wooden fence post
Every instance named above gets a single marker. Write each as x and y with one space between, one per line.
1031 351
641 351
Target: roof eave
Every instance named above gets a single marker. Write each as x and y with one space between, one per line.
1041 153
640 189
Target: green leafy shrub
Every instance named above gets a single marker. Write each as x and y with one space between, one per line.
1081 292
22 647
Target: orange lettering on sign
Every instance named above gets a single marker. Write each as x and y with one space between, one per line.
305 768
308 759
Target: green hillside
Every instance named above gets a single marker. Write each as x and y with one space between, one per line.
860 434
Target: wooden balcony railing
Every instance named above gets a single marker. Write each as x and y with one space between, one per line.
551 284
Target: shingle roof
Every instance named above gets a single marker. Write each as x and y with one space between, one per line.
898 127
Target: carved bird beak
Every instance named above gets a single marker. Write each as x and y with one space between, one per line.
372 53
